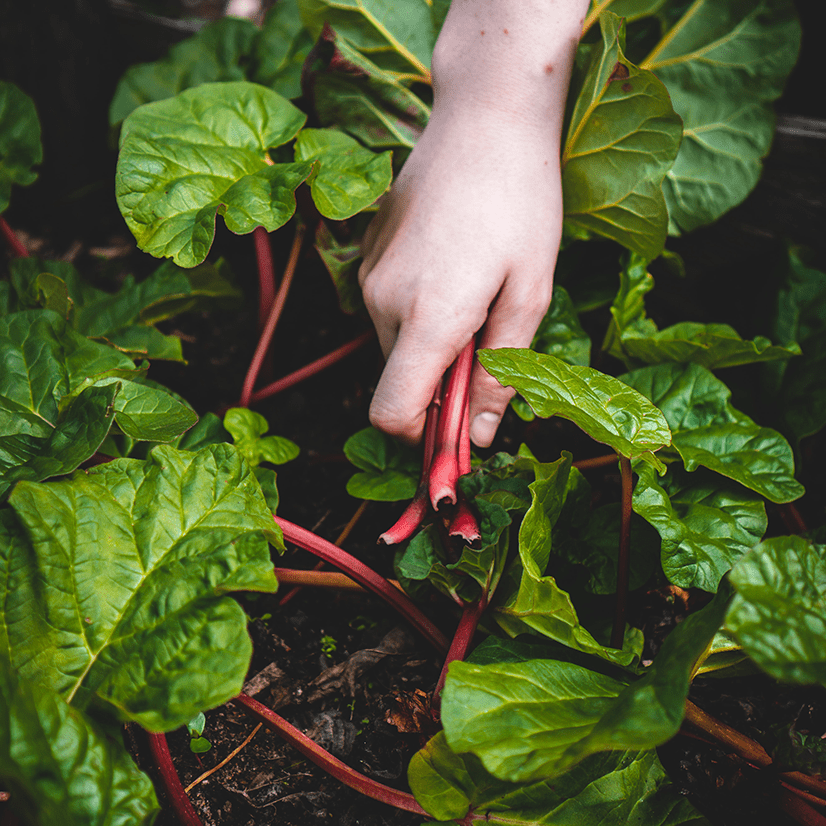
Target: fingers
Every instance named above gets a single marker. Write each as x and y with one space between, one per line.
512 322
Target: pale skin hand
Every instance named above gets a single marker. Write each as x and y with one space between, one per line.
468 236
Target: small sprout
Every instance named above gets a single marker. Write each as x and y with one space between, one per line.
328 645
195 727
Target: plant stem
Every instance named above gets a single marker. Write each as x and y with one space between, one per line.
312 368
321 579
471 614
792 519
266 274
366 577
800 810
332 765
12 240
464 524
624 560
272 318
444 469
172 783
597 461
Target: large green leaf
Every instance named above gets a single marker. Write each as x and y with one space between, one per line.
212 54
399 36
58 769
204 152
779 612
20 147
281 49
348 178
707 430
247 429
390 470
622 139
599 404
78 432
116 581
723 64
353 93
705 526
612 789
534 720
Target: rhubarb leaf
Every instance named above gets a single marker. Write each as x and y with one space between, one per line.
612 789
341 261
160 641
59 769
705 525
723 64
348 177
78 432
280 50
779 612
597 403
398 36
20 147
354 94
707 430
390 470
534 720
212 54
204 152
247 429
621 141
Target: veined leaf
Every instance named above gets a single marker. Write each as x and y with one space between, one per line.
597 403
353 93
779 612
628 307
247 429
705 526
707 430
622 139
160 640
723 64
629 9
58 768
341 261
204 152
398 36
281 49
212 54
349 177
20 147
390 470
612 789
534 720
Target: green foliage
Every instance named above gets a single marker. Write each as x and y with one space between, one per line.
20 147
247 429
390 471
622 139
779 612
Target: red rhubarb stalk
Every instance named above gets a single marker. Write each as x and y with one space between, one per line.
321 757
172 783
471 614
416 511
272 319
444 469
364 576
12 240
464 524
624 561
266 274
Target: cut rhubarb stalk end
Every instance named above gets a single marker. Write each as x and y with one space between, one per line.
464 525
409 522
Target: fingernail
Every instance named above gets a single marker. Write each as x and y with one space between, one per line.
483 429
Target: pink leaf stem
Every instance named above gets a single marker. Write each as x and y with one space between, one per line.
365 576
444 469
464 524
266 274
320 579
624 561
471 614
322 758
172 783
272 318
313 367
12 240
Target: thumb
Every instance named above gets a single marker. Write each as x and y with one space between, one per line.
512 322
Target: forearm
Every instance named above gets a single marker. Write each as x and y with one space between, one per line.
512 57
